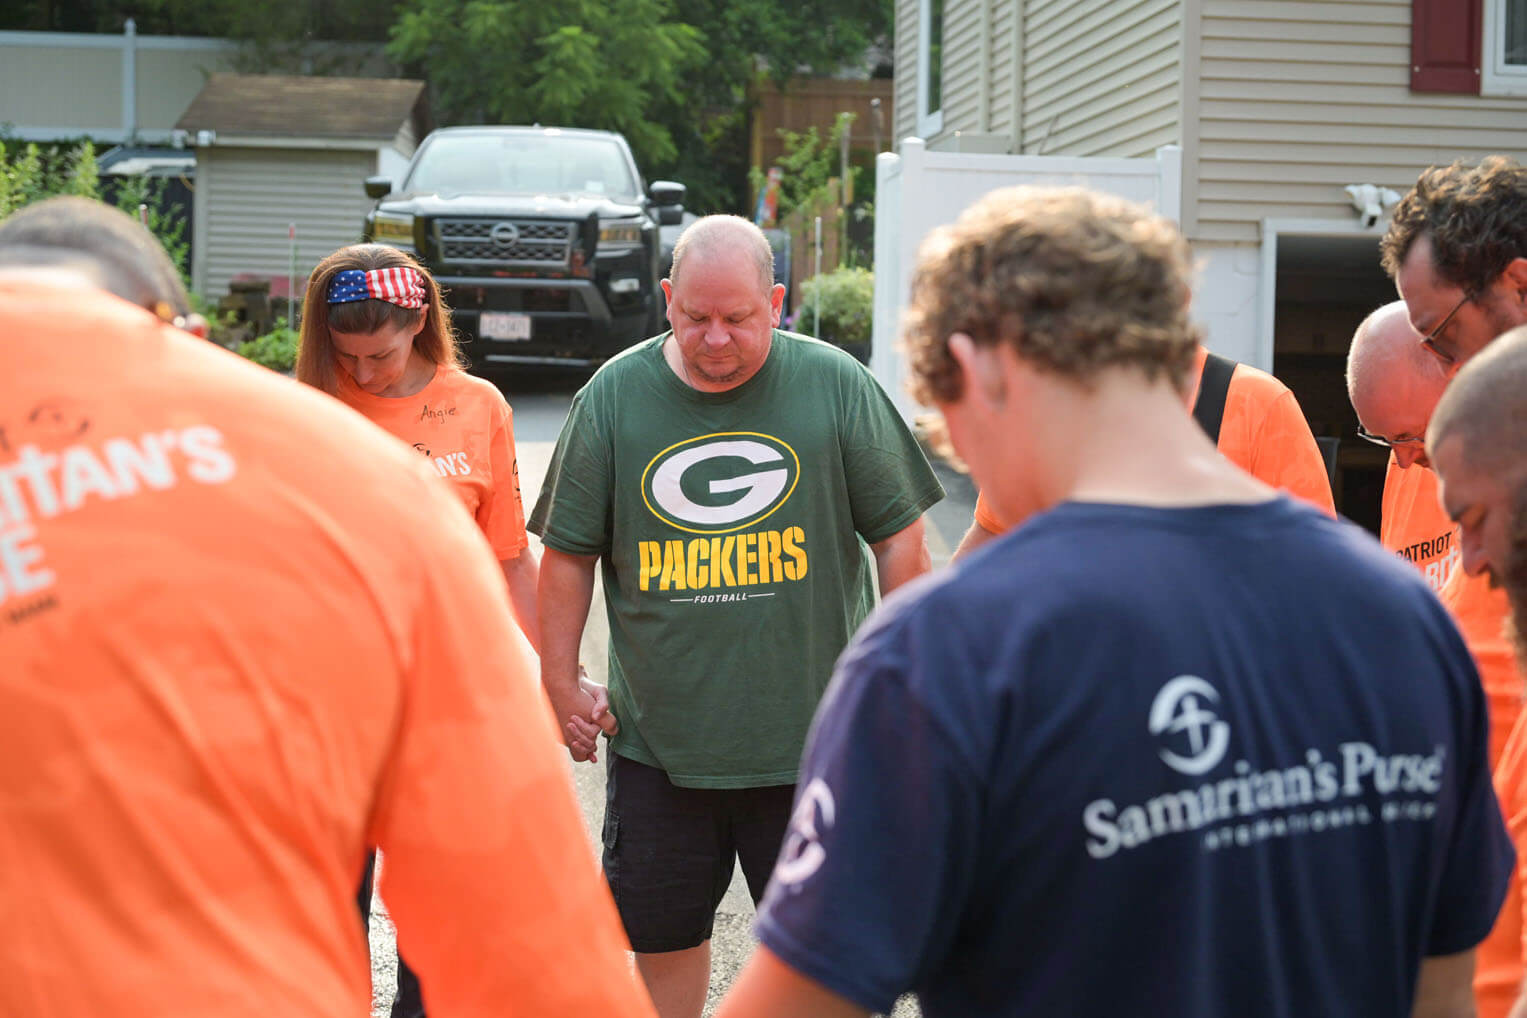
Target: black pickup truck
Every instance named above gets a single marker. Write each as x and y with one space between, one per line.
544 238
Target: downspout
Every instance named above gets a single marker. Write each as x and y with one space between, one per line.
129 82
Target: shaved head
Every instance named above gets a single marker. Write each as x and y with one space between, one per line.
1485 409
1394 384
713 235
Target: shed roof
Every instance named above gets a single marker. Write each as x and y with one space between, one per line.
307 107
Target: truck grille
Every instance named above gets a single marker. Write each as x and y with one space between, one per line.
524 242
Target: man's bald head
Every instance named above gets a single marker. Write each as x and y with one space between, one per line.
1485 408
714 234
1393 383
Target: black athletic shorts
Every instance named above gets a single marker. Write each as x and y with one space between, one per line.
669 851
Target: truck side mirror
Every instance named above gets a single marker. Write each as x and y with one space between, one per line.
668 196
378 187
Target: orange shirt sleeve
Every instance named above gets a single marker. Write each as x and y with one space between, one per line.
1501 959
985 518
501 513
489 874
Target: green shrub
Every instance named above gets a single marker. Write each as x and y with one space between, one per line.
276 349
847 299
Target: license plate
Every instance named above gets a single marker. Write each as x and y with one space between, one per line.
503 325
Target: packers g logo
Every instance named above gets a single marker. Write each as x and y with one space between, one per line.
721 482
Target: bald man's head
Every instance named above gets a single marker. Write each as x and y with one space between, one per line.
713 234
1393 383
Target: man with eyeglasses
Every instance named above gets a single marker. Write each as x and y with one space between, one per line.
1457 249
1394 385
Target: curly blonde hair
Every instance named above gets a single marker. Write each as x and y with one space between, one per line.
315 352
1073 280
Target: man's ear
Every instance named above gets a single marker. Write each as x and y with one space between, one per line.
981 369
1515 275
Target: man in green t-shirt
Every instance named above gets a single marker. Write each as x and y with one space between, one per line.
727 477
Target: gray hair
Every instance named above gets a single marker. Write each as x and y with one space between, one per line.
711 233
107 245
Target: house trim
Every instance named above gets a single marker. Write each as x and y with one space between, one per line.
1498 78
929 122
1267 287
1191 57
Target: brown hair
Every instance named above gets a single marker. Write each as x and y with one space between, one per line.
315 355
1073 280
109 245
1476 217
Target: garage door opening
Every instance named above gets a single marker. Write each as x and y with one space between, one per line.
1324 287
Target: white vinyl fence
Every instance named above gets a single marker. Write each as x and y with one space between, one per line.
919 190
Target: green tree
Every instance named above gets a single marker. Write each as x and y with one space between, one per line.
584 63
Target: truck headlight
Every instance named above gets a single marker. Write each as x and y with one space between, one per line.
393 228
620 233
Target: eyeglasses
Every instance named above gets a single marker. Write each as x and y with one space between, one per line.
1430 340
1388 443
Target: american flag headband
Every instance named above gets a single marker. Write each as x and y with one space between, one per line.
403 286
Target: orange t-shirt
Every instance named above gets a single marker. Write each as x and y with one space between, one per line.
464 427
1413 525
1499 960
1481 615
1263 432
244 637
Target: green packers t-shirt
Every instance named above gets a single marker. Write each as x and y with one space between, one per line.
731 530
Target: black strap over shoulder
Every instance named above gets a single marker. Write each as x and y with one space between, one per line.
1213 385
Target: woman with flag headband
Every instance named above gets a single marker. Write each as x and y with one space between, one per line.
377 335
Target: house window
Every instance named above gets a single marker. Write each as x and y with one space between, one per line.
1504 70
930 67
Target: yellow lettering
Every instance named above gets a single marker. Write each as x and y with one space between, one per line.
652 561
746 546
673 566
699 576
794 539
769 569
721 562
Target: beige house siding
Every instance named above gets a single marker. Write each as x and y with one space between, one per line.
1102 77
1004 65
247 196
1297 100
963 77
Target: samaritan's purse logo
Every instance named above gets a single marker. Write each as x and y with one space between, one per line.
721 482
1182 723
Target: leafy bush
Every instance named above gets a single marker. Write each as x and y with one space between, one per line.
847 300
30 173
276 349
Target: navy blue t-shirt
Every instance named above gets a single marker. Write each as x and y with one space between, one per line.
1193 762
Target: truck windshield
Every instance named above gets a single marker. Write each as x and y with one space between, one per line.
522 163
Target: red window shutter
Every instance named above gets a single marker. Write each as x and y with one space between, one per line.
1445 45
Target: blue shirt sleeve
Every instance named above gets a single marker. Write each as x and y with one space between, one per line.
879 858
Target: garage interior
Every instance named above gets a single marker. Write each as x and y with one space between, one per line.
1325 287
